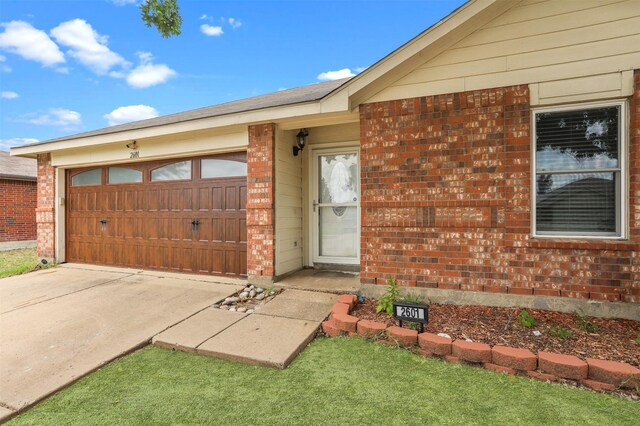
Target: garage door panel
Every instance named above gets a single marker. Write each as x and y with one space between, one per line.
149 224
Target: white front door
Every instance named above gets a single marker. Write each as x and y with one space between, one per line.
336 206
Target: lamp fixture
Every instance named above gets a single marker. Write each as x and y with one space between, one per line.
133 145
301 140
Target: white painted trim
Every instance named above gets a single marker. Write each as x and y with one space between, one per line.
316 150
624 176
60 215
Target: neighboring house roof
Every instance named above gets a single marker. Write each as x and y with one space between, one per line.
17 168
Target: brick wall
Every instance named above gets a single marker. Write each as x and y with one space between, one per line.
260 201
46 207
446 187
17 210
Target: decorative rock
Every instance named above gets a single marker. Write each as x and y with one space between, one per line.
518 359
216 306
436 344
471 351
566 366
367 327
244 295
542 376
403 336
232 309
225 307
242 309
537 333
251 287
259 290
615 373
252 293
595 385
260 296
445 335
230 300
250 311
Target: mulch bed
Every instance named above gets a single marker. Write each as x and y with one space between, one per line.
614 340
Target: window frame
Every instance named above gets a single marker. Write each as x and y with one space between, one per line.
621 183
123 166
167 163
90 169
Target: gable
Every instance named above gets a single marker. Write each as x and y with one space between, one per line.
565 50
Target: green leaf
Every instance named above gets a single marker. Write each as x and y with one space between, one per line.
162 14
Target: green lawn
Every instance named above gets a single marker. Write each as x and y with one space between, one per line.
16 262
334 381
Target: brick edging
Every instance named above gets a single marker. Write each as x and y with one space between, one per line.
548 366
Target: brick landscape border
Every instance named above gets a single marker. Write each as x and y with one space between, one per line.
594 373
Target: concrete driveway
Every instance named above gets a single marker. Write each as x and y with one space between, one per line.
59 324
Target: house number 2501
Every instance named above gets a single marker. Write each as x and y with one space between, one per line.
134 154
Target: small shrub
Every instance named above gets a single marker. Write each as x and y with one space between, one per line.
391 295
584 323
560 332
413 298
526 319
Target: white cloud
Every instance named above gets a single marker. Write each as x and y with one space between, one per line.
204 16
58 117
4 67
87 46
126 114
234 23
335 75
123 2
211 30
5 144
21 38
8 95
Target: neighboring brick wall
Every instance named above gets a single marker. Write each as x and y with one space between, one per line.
446 186
46 207
17 210
261 201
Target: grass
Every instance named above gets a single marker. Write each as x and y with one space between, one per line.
334 381
16 262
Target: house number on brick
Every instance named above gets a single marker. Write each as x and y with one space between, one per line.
412 312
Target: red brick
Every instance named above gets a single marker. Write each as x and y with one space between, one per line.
518 359
439 345
18 210
595 385
423 352
45 210
345 322
616 373
330 328
542 376
451 358
566 366
340 308
349 299
471 351
370 328
403 336
498 368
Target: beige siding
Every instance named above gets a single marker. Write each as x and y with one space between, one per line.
289 237
574 50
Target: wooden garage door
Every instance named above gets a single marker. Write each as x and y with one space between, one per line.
185 215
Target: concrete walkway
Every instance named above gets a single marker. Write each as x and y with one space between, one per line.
59 324
273 336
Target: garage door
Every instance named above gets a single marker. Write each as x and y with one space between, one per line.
184 215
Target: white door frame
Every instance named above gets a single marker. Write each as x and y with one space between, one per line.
313 197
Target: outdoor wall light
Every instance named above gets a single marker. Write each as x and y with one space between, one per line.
301 140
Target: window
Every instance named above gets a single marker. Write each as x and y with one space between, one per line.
579 171
174 171
214 168
124 175
90 177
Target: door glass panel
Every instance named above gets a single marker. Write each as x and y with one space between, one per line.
338 231
124 175
213 168
338 180
90 177
173 171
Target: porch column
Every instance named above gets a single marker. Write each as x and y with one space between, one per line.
260 203
45 210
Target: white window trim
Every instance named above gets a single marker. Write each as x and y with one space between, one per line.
624 177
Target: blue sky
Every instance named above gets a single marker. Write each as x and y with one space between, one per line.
72 66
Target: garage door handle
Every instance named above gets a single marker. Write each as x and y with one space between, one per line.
194 224
103 223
